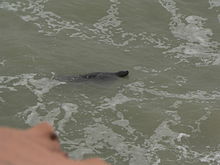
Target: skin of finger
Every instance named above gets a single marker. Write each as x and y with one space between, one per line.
35 146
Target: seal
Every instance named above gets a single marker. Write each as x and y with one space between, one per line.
94 76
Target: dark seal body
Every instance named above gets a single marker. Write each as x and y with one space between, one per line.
95 76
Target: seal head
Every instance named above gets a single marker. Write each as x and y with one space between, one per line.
122 73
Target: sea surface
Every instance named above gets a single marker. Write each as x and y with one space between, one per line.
166 112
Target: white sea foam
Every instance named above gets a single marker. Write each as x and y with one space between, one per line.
181 135
28 18
10 6
122 122
214 3
69 109
111 19
43 86
104 29
99 136
111 103
212 158
30 115
176 104
2 62
80 152
39 87
138 87
141 68
199 121
217 60
6 87
198 41
1 99
200 95
39 112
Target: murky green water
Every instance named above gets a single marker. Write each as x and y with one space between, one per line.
167 112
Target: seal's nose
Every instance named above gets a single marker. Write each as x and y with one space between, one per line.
122 73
